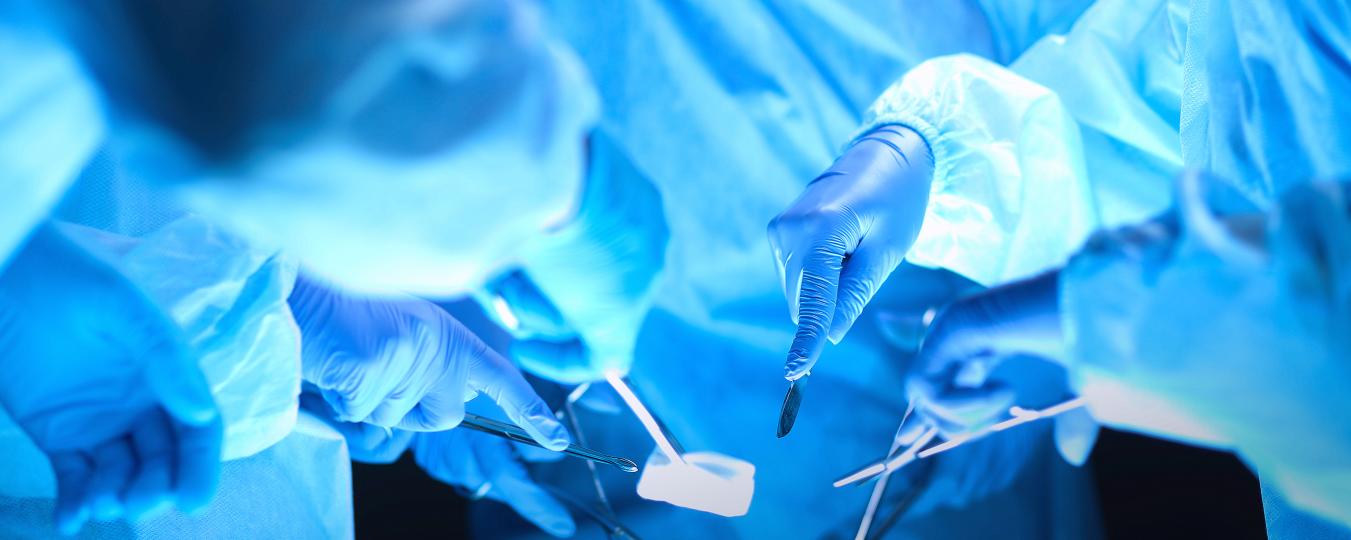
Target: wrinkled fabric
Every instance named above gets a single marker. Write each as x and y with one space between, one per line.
51 117
391 146
1010 194
1150 88
1274 300
1292 61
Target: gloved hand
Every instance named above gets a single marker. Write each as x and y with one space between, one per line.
845 234
97 376
482 465
581 293
404 362
486 466
969 339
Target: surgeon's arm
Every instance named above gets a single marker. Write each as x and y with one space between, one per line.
963 164
1011 193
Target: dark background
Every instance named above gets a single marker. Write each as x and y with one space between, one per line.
1147 488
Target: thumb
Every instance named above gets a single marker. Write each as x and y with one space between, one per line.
819 286
495 377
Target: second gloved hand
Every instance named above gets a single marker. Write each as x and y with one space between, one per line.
404 362
970 338
481 465
844 235
99 378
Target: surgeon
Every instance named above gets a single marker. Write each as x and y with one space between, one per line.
730 108
167 137
1161 325
1083 130
1028 159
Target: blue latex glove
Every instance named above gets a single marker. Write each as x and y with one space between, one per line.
479 464
577 301
404 362
844 235
969 339
98 377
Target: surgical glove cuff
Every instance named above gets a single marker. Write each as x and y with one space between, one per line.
1010 195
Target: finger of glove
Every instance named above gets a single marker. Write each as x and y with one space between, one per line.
175 378
493 376
72 471
151 489
367 443
436 412
782 258
816 306
198 464
512 485
114 463
961 409
864 272
1075 434
449 456
441 405
353 407
394 408
566 361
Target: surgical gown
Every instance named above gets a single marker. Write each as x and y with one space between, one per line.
51 118
1166 323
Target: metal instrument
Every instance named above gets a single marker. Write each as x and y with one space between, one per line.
513 433
791 402
918 451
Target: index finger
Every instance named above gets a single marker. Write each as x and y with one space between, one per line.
495 377
820 283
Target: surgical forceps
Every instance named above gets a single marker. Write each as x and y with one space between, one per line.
513 433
